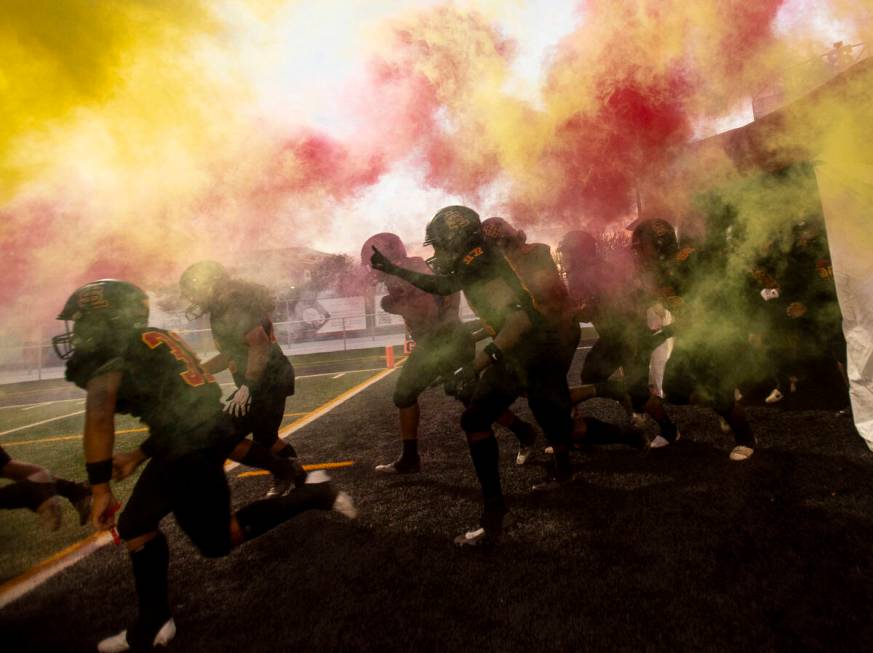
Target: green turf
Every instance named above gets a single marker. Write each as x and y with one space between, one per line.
23 542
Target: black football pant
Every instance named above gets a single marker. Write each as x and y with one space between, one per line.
438 354
264 417
708 376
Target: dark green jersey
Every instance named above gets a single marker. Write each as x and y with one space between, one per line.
231 319
164 385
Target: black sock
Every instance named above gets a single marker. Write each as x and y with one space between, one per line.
486 461
150 573
522 430
743 435
563 467
259 517
410 450
26 494
70 490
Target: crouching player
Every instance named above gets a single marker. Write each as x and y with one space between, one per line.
128 367
443 344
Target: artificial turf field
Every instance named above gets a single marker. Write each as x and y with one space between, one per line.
677 549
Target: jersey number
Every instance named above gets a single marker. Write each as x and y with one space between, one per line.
194 374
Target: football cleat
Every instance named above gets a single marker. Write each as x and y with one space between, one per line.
723 425
50 513
741 452
525 451
478 537
660 441
344 505
401 466
279 486
774 397
118 643
316 477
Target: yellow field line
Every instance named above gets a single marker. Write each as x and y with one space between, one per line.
20 585
327 406
294 414
338 465
61 438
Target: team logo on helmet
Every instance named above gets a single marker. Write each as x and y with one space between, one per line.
453 232
102 313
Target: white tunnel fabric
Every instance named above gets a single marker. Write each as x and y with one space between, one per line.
846 190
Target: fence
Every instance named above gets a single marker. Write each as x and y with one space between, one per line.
35 362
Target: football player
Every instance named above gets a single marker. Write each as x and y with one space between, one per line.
525 355
609 302
35 488
536 269
125 366
442 345
708 361
239 314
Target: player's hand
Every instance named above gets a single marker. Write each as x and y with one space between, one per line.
378 261
462 383
795 310
125 464
239 402
103 507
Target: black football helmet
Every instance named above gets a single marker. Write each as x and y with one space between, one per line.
198 285
453 232
654 238
576 248
102 312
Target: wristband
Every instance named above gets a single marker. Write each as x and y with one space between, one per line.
494 352
100 472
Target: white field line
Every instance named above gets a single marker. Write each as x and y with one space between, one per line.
339 376
34 405
18 587
45 421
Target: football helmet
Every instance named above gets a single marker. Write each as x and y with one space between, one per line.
198 284
453 232
387 243
102 312
654 239
499 232
576 248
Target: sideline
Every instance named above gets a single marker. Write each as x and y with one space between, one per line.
17 587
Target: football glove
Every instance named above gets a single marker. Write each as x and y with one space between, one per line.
239 402
462 383
378 261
